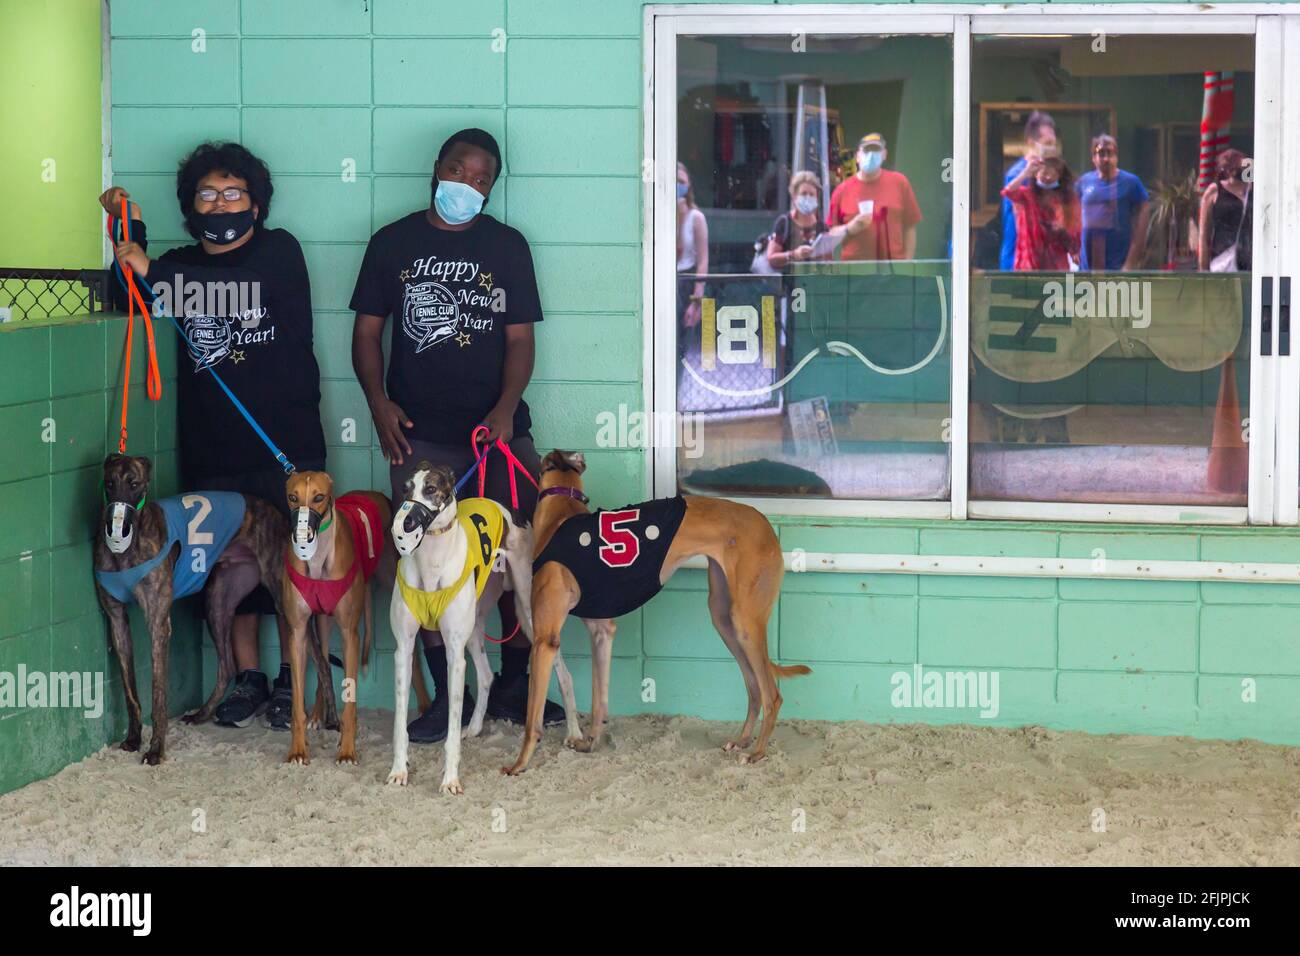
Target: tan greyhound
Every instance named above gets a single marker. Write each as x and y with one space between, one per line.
335 546
600 565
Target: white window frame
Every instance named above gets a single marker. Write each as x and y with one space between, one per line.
663 23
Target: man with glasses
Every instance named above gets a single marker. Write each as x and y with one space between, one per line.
253 327
1114 212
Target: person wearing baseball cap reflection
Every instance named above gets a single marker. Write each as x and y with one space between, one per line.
877 206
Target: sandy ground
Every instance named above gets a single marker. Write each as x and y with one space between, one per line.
665 793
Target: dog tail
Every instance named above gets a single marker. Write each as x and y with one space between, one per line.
794 670
369 606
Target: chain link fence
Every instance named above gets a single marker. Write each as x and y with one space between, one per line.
32 294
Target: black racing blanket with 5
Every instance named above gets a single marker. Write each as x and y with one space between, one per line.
616 554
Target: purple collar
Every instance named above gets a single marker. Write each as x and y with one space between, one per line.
573 493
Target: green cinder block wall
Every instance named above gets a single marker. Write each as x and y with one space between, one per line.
67 375
310 84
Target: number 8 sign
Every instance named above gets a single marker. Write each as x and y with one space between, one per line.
730 334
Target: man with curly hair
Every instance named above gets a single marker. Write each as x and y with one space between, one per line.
257 335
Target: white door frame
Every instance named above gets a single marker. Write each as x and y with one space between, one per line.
1284 42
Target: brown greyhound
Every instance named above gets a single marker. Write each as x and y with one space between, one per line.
624 557
155 552
335 547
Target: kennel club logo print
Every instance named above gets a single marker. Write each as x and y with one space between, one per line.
212 338
432 312
429 314
209 339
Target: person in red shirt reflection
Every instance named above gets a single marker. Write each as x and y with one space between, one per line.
1047 215
877 206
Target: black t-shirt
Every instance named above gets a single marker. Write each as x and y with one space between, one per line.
261 348
451 295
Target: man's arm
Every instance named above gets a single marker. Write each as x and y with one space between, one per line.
368 362
1138 243
909 241
521 351
1205 228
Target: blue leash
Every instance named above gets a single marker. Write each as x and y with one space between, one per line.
280 456
472 468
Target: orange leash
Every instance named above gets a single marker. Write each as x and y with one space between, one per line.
153 378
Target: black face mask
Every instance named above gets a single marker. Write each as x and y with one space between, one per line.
222 228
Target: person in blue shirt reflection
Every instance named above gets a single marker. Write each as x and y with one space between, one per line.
1115 207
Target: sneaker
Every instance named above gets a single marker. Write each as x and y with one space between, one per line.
431 726
279 711
508 700
246 701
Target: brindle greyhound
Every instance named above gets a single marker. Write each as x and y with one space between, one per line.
745 570
133 534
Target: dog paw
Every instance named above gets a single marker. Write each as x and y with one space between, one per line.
153 758
751 758
130 745
349 757
514 771
197 717
582 745
397 777
451 786
733 745
298 757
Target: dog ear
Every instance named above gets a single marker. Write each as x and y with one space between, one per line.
576 460
146 467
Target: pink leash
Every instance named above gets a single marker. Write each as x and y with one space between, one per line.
513 464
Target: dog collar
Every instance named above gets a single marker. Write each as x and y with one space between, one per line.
433 530
573 493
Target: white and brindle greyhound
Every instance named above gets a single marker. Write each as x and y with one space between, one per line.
447 581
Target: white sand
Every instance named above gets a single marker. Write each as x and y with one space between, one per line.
665 793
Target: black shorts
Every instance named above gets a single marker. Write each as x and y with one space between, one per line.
267 484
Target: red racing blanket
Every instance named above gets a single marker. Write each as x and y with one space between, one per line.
323 595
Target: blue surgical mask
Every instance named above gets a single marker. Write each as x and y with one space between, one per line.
871 159
456 202
1051 185
682 190
806 204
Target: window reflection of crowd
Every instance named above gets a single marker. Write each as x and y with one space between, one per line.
1051 220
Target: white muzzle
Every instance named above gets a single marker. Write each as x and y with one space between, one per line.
304 534
407 531
119 532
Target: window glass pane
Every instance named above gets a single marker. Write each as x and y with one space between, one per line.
1110 268
813 265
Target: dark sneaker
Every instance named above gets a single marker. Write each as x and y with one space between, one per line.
279 711
508 700
431 726
246 701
